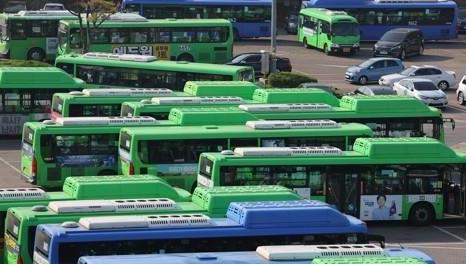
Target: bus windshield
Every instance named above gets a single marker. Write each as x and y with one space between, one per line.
12 226
57 104
205 167
127 110
42 243
345 29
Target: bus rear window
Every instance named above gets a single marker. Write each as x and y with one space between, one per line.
246 75
28 135
205 167
12 225
125 141
127 110
42 243
57 104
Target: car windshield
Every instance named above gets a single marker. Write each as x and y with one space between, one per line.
393 37
239 58
425 86
345 29
366 64
408 71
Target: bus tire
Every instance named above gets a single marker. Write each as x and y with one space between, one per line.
36 54
236 34
107 173
326 50
305 43
185 57
421 214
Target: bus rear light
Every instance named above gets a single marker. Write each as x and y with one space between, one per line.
34 166
131 169
20 260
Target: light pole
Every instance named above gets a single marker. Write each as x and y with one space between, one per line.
273 39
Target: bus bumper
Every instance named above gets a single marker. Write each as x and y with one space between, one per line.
335 48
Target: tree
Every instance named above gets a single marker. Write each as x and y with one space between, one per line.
91 12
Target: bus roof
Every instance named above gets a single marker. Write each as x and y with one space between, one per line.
296 254
180 66
365 150
350 107
380 3
328 15
168 22
41 15
243 89
301 215
37 78
214 201
139 186
245 131
217 116
200 2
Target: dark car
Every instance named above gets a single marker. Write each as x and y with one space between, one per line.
462 20
400 43
291 25
15 6
254 60
371 90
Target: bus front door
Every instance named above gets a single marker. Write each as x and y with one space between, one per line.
342 190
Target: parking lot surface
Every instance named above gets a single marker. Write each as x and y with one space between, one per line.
446 240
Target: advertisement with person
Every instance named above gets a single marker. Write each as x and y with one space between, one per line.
381 207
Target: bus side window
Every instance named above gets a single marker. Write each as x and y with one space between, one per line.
67 67
18 29
47 148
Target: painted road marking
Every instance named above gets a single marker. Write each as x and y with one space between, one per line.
10 165
449 233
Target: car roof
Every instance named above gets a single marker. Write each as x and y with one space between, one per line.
383 58
424 66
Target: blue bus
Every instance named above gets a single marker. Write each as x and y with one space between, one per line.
277 254
247 226
250 18
436 18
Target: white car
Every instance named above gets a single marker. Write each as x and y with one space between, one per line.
441 78
461 91
423 89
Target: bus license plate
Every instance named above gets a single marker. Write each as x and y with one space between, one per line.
383 52
346 49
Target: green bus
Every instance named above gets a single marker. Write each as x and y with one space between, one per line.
328 30
380 179
406 117
86 146
26 94
87 188
31 35
160 107
173 153
107 101
21 222
195 40
144 71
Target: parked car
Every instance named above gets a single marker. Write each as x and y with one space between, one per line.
15 6
255 61
423 89
442 78
291 25
461 91
372 90
53 7
400 43
326 87
372 69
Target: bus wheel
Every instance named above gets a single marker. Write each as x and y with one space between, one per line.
326 49
421 214
36 54
305 43
185 57
194 187
107 172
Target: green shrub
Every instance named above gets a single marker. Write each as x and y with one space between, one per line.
22 63
288 79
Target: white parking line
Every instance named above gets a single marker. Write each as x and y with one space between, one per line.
453 227
425 244
434 247
10 165
449 233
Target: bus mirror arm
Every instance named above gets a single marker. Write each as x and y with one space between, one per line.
450 120
380 239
